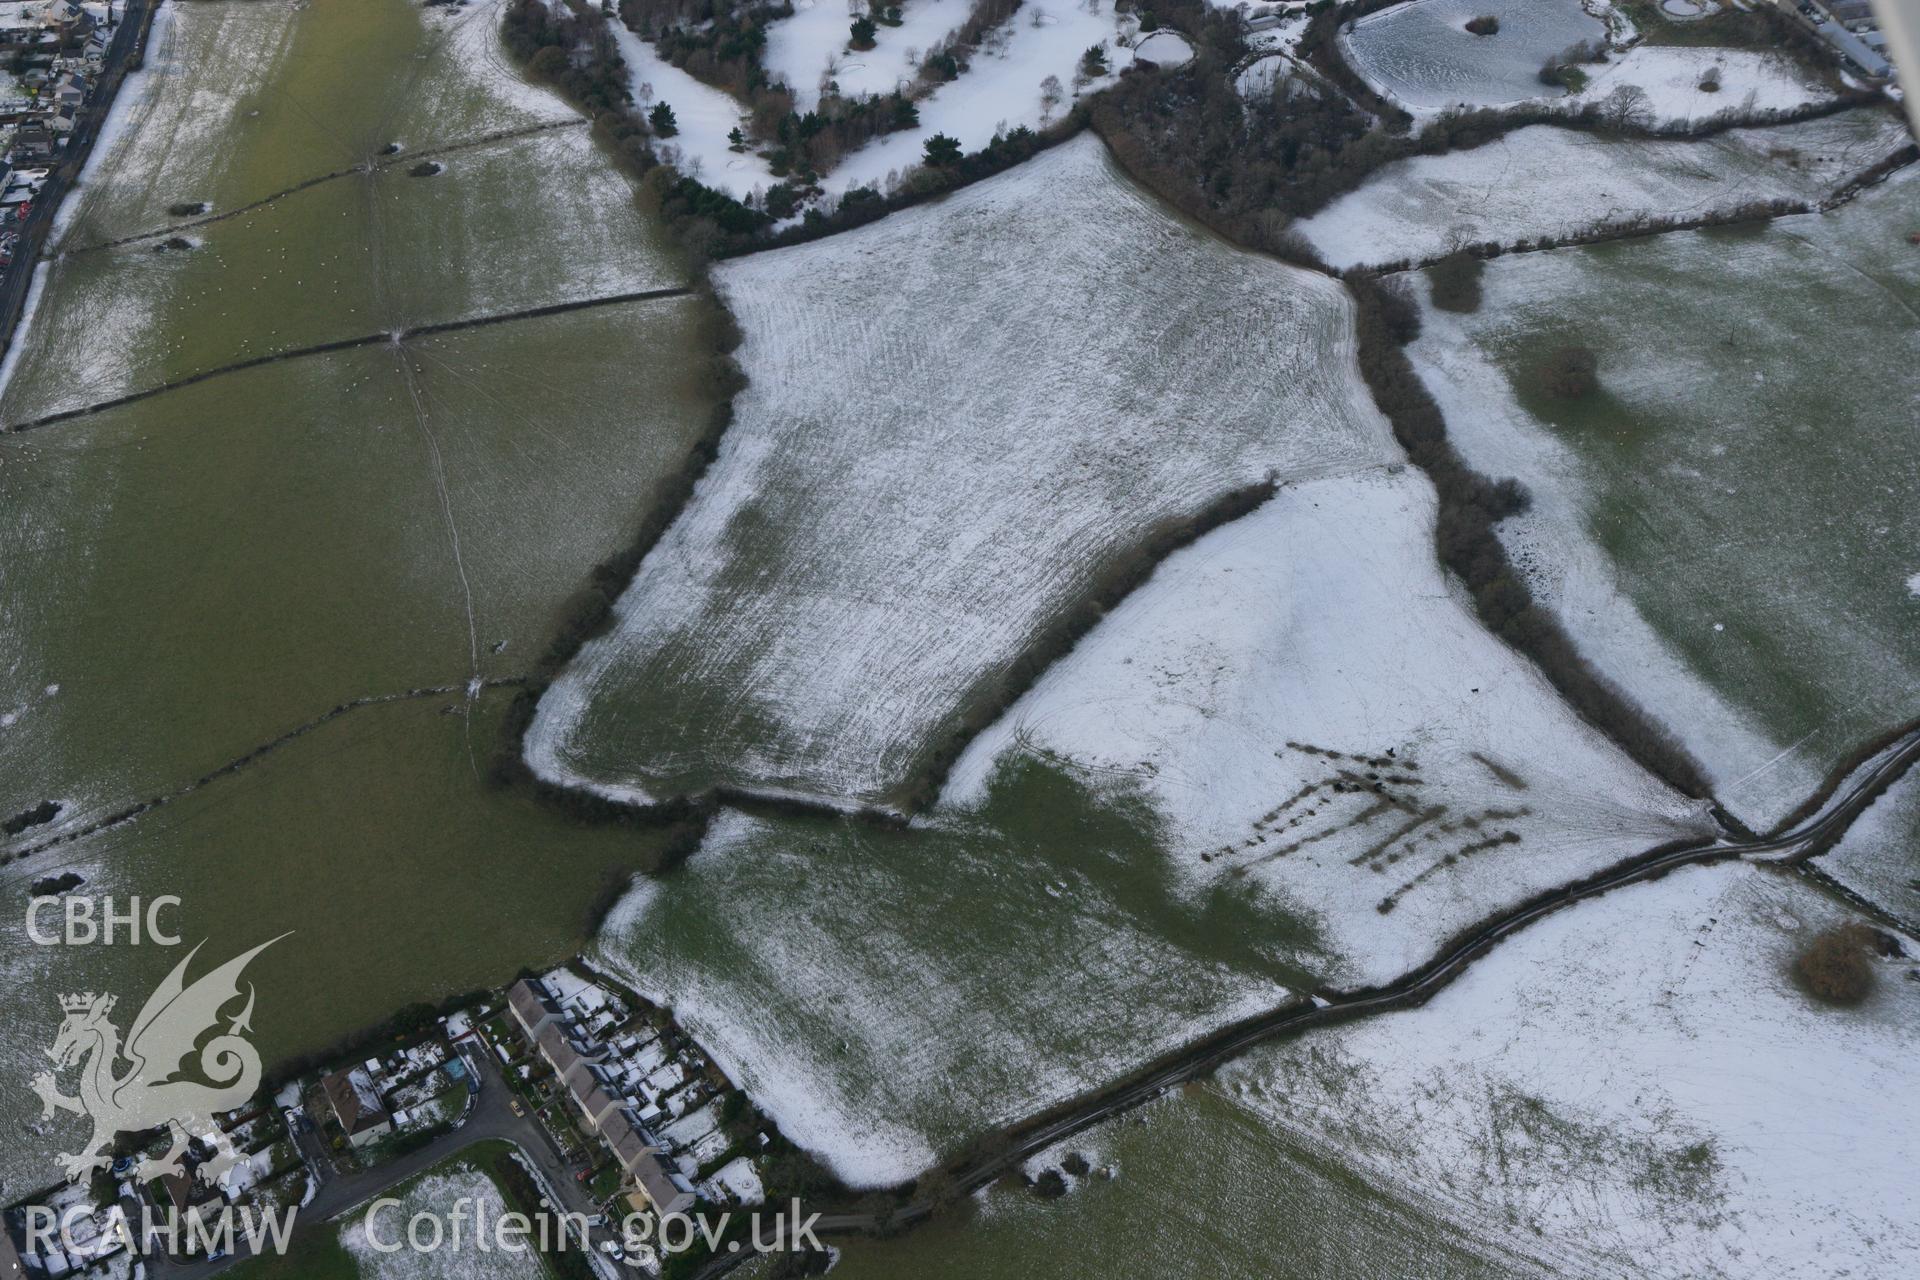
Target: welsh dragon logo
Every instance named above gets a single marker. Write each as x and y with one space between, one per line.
151 1092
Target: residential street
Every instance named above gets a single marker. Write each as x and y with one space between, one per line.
491 1118
18 278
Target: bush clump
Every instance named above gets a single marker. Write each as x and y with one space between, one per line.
1835 966
50 886
1484 25
1571 373
1398 311
1563 68
38 816
1050 1185
1456 282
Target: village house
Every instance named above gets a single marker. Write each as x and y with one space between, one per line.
558 1048
175 1191
33 142
177 1196
532 1008
356 1104
666 1189
625 1139
587 1087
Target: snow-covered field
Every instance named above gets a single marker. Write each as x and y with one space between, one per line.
704 116
1694 525
249 71
887 998
466 84
957 417
1003 88
1544 180
1636 1086
1879 857
202 62
1311 706
1671 77
1421 55
810 49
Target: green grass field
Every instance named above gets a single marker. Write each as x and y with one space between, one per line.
186 579
1745 464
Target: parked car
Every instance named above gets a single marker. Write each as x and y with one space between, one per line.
517 1108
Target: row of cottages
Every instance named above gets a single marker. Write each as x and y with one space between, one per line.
612 1118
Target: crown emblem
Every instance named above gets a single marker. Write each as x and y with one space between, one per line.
82 1003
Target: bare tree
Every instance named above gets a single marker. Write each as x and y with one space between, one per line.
1052 94
1627 107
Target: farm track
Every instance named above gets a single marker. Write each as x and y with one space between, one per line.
1843 802
239 763
346 344
367 167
